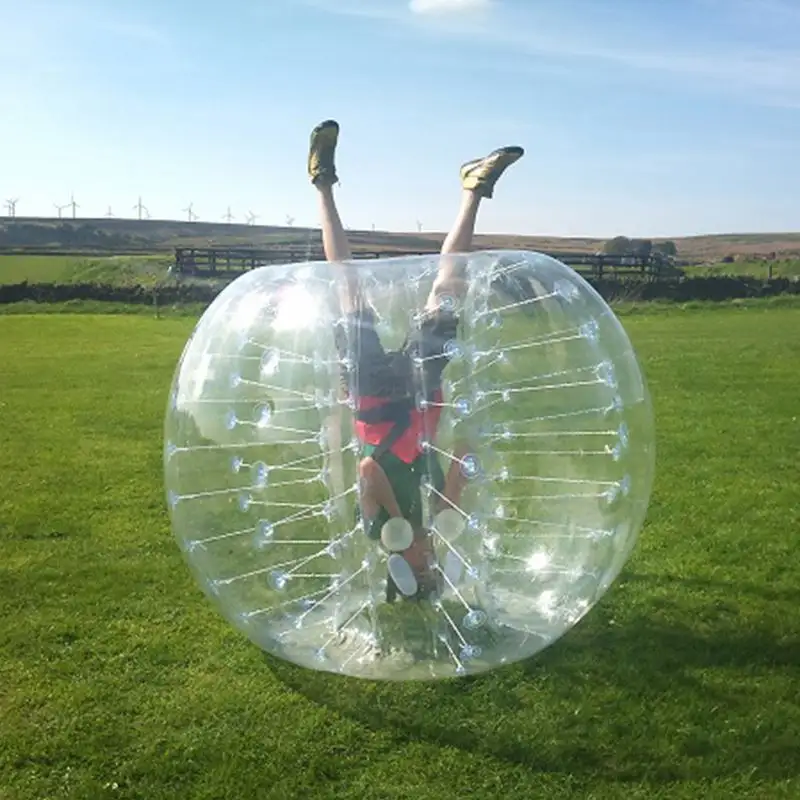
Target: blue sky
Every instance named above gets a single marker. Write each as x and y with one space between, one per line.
639 117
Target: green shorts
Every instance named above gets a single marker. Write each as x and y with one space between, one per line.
406 480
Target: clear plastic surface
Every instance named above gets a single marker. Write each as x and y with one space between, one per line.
543 400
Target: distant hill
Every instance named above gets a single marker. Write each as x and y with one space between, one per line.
125 234
114 234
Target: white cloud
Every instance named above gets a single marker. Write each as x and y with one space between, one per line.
448 6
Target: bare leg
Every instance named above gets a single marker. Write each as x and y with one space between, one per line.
454 482
420 555
322 171
459 240
334 238
376 491
478 179
450 280
450 277
337 248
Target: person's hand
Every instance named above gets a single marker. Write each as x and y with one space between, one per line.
420 555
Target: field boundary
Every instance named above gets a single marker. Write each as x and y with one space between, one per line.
683 289
232 261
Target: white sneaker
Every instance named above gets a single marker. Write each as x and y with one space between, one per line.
402 575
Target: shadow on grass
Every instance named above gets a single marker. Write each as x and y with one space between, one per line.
667 695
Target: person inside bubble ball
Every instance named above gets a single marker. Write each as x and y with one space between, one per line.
382 386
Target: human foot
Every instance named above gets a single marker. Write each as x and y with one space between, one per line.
482 174
413 572
322 152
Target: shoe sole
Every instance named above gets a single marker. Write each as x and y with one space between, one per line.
402 575
328 123
512 153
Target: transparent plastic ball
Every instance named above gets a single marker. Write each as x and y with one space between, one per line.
543 415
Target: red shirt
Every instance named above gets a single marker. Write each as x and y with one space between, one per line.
407 447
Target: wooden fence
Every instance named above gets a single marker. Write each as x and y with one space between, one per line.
224 262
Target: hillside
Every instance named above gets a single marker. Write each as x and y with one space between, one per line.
126 234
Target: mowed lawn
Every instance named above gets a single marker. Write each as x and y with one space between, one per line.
145 268
757 268
118 679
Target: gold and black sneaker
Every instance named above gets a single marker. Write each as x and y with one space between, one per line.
322 152
482 174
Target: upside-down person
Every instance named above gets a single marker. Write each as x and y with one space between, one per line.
382 385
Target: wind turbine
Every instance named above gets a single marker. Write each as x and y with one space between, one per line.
11 205
140 208
289 220
227 216
72 204
419 226
251 218
110 213
59 209
190 212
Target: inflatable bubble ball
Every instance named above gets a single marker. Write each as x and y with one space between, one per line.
408 468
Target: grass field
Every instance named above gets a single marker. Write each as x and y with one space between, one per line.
782 268
117 679
144 269
150 269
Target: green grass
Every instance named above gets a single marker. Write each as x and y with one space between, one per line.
621 308
122 270
758 268
118 680
150 269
